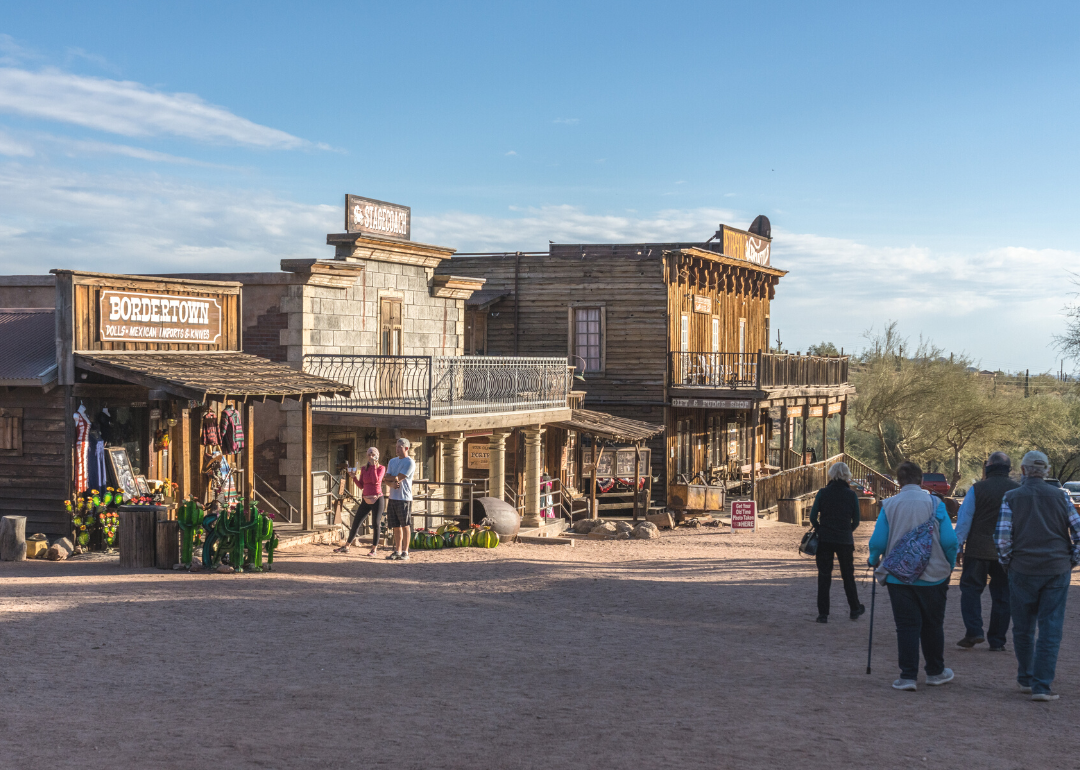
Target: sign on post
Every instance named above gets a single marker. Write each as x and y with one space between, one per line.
743 516
367 215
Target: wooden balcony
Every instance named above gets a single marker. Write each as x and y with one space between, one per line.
752 372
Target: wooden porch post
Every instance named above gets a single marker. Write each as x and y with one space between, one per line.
753 451
307 502
843 415
785 437
249 453
805 419
824 432
592 496
637 477
183 458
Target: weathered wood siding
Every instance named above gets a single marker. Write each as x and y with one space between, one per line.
33 483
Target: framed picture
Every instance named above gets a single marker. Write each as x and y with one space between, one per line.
143 487
123 476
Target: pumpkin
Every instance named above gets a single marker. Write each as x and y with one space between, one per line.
448 539
414 541
462 539
446 528
435 541
486 538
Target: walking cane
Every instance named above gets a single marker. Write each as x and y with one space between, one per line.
873 596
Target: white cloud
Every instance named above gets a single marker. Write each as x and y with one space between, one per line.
567 121
565 224
142 223
511 153
130 109
13 147
13 53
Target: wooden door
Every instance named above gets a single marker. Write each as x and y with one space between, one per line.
391 376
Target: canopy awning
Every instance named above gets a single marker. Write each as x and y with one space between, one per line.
608 426
214 376
485 298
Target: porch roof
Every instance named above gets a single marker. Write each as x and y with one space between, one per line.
608 426
27 346
210 375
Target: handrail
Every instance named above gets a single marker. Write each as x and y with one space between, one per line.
880 484
755 370
291 508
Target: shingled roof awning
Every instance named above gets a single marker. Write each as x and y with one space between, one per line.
212 376
27 347
608 426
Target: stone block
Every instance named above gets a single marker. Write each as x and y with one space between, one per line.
290 337
290 467
290 435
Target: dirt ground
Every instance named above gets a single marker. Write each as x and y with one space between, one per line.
696 650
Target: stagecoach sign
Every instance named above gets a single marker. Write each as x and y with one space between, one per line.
366 215
127 316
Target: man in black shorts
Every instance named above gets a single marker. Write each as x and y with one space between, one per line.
399 476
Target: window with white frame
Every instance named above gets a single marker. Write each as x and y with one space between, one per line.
715 335
588 337
684 334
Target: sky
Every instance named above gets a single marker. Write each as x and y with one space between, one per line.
918 161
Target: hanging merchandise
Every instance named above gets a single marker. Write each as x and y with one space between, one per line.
161 440
605 485
209 435
232 431
82 449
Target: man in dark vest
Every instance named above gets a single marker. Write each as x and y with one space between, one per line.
975 525
1038 542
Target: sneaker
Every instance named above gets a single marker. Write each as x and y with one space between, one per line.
1044 696
822 618
394 556
1025 688
856 614
403 556
970 641
905 684
945 676
998 649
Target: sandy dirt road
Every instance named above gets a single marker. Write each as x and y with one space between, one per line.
697 650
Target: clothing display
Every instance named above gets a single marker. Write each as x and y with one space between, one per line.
209 435
231 431
82 450
95 474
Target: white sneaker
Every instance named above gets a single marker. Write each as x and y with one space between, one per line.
1044 696
1023 689
945 676
905 684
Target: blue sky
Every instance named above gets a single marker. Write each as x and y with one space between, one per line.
918 161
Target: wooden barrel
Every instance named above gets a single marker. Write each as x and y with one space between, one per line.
167 548
138 532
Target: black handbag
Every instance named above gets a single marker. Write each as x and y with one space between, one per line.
809 543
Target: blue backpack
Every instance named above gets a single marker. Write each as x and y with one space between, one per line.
908 559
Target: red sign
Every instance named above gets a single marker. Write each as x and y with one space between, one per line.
743 516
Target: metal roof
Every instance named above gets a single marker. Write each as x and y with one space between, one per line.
608 426
485 298
27 346
210 375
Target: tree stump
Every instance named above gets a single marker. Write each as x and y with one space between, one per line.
167 550
13 538
138 531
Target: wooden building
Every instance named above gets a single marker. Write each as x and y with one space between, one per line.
130 363
671 333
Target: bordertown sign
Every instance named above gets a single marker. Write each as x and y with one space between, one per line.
127 316
372 217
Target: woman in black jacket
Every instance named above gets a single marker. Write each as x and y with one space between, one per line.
835 515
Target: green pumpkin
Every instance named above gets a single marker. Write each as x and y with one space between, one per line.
487 538
448 539
414 541
462 539
435 541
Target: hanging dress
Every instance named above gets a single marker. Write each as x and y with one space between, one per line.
82 452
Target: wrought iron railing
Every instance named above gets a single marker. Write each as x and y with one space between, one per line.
441 386
755 370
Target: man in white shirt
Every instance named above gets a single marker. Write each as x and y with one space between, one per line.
399 477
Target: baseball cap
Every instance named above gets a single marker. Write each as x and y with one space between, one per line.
1036 460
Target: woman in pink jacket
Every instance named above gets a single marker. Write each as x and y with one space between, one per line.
369 479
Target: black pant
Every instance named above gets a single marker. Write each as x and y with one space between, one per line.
919 612
972 582
376 511
845 554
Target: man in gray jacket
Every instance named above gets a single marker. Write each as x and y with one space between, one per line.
1038 542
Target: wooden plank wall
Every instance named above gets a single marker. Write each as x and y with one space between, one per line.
86 305
734 292
34 483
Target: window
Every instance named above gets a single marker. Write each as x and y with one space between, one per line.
684 334
588 337
11 432
742 335
390 326
715 335
683 462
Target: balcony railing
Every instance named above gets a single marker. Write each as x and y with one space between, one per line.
756 370
443 386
